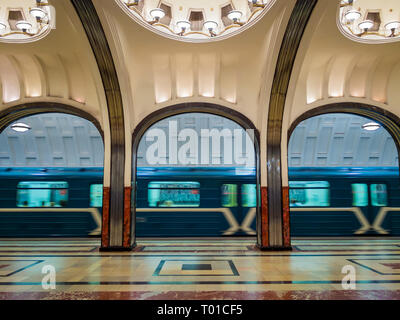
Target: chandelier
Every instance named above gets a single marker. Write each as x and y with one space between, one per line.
209 19
25 21
362 22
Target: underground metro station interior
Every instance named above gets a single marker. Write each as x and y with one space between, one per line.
213 149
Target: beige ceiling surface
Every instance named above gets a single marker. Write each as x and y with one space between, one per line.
60 67
156 71
332 68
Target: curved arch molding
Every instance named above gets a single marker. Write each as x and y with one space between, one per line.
113 237
10 115
388 120
194 107
275 214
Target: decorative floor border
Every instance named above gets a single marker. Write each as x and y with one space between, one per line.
35 262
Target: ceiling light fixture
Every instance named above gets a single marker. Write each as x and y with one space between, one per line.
20 127
38 13
392 27
211 26
157 14
352 15
235 16
366 25
371 126
183 26
23 25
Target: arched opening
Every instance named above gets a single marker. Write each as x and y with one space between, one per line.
344 172
51 168
195 168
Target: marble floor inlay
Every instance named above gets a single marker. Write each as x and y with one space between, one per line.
200 269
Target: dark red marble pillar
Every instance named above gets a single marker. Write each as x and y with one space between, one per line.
264 243
286 217
127 217
264 218
105 234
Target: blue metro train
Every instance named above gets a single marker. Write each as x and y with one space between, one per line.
199 202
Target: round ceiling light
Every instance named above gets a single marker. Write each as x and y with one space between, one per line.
3 26
393 25
235 15
210 25
352 15
157 13
366 24
371 126
38 13
23 25
20 127
183 25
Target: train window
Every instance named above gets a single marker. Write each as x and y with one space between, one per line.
309 194
229 195
39 194
360 194
379 195
96 195
249 195
174 194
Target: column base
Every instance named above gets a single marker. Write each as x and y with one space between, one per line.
117 249
278 248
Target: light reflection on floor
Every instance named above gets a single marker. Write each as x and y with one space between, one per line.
201 269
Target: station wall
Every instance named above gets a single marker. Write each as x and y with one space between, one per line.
55 140
338 140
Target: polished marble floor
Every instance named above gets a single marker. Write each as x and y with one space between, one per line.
200 269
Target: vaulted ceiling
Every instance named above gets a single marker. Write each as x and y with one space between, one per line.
237 72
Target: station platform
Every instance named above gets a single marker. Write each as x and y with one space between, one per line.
200 269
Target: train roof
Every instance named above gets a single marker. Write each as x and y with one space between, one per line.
203 171
348 172
56 171
141 171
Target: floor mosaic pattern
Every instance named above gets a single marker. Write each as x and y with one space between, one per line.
200 269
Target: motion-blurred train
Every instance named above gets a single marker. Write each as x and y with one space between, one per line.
199 202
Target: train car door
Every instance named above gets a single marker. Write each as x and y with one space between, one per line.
370 197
